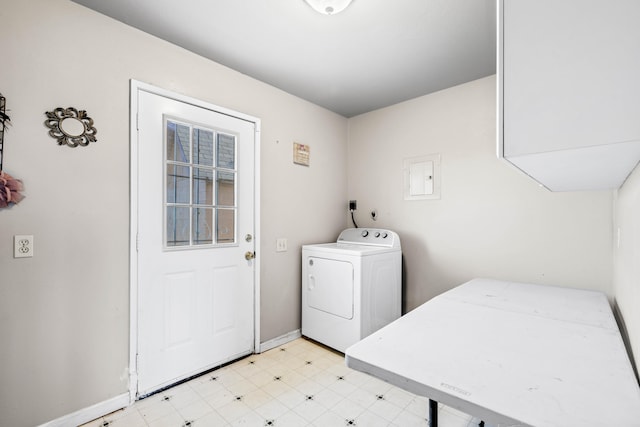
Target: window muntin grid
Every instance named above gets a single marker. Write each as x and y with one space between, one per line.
200 186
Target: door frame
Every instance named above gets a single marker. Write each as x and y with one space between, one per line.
136 87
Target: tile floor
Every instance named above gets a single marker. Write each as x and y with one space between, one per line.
297 384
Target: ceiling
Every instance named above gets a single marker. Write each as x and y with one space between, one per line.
374 54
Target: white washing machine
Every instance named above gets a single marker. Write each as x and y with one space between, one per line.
351 288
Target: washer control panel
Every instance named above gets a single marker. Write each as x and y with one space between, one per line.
369 236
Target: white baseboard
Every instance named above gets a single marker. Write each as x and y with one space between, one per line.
122 401
278 341
91 413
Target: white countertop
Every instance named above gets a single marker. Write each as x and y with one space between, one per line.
510 354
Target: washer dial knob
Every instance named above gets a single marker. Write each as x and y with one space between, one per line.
365 233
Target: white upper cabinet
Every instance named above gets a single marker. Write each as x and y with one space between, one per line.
569 90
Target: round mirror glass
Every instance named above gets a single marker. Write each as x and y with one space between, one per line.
72 126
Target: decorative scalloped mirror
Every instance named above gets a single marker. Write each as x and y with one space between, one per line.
71 127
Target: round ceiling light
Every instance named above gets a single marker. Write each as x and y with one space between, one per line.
329 7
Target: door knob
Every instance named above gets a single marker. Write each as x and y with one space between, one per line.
249 255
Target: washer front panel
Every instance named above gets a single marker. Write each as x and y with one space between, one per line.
330 286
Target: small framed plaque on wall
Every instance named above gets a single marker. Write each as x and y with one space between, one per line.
300 154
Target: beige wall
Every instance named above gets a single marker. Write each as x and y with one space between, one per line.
626 282
65 312
65 322
491 220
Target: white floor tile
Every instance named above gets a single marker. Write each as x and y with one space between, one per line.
384 409
457 413
309 410
343 387
328 398
272 410
242 387
173 419
299 384
309 387
291 419
294 362
340 370
357 378
247 420
277 354
131 419
419 406
325 362
261 378
330 419
195 410
185 397
348 410
448 419
292 398
247 370
229 377
293 378
369 419
233 410
211 420
276 388
325 378
408 419
363 398
257 398
129 410
208 386
376 386
220 398
157 410
149 401
399 397
309 370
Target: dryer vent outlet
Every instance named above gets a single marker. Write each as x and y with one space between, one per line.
352 205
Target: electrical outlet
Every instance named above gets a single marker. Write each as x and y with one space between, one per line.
352 205
281 245
22 246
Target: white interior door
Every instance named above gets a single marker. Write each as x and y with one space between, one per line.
195 240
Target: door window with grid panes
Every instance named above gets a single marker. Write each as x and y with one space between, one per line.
200 196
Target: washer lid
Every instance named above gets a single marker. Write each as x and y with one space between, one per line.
348 249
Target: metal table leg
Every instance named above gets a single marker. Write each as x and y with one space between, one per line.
433 413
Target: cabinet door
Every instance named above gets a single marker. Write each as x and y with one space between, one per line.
569 90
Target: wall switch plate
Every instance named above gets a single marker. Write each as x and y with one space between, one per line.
281 245
22 246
